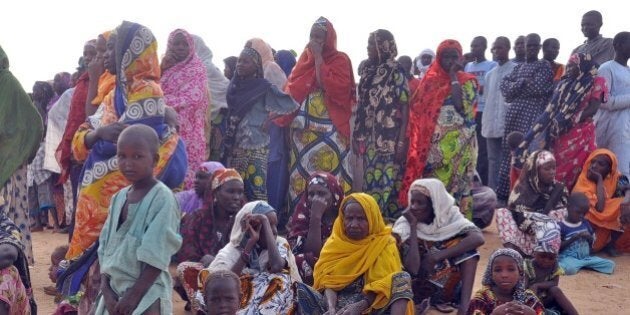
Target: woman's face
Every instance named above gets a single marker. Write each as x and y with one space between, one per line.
572 70
318 35
372 51
547 172
319 191
355 221
245 66
89 52
505 273
109 57
230 196
448 58
180 47
101 44
200 183
421 207
601 164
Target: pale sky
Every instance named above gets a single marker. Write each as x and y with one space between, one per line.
42 38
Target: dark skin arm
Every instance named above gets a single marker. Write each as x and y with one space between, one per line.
601 191
590 110
276 263
472 241
316 48
411 261
130 300
456 89
545 285
358 307
254 236
313 243
109 296
108 133
95 69
401 146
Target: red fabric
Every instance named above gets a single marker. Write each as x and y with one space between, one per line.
76 116
413 85
337 80
426 104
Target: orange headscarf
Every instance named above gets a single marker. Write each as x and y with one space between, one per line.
376 258
426 104
106 82
609 218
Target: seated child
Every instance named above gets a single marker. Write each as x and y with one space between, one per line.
577 238
503 290
140 234
15 291
222 290
56 257
542 276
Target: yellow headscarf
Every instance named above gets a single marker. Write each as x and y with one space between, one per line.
343 260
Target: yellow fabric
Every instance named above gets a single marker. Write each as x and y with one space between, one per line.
343 260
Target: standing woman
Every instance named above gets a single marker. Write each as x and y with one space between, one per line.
323 83
381 121
20 127
185 88
442 138
252 101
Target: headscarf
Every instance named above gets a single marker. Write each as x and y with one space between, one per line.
230 254
286 60
336 76
609 217
519 291
300 218
425 107
217 82
375 258
223 176
189 200
381 89
558 118
448 221
529 194
106 81
211 167
271 71
10 234
21 127
422 69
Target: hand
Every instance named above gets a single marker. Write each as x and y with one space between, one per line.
110 302
128 303
253 232
401 152
110 132
96 67
167 62
456 67
319 205
316 47
534 288
624 217
518 309
584 234
413 221
427 263
594 176
355 147
354 308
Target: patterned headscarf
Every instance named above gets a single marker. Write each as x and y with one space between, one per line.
223 176
210 167
519 291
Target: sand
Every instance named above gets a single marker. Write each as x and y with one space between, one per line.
591 292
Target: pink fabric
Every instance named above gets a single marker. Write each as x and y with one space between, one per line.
185 87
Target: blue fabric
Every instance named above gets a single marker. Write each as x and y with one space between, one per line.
278 169
286 61
69 280
578 255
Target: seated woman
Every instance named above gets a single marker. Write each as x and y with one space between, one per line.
311 223
16 295
609 195
535 206
206 231
359 269
442 257
261 258
192 199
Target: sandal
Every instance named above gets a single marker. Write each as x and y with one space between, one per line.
444 308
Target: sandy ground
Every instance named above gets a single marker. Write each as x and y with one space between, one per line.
591 292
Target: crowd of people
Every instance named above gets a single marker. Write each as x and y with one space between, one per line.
281 186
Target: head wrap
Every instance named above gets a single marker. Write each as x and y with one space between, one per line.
519 290
217 82
222 176
210 167
271 71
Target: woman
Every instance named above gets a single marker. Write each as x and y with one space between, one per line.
609 194
537 202
20 127
192 199
16 295
252 101
286 60
359 269
185 88
442 138
312 221
442 256
217 86
566 127
261 258
43 94
323 83
380 123
206 231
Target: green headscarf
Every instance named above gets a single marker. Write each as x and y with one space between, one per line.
21 127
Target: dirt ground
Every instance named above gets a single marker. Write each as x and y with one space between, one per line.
591 292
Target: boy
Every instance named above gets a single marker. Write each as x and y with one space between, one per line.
577 238
140 234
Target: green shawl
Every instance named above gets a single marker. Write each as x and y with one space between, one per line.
21 127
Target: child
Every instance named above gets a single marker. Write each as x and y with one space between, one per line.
223 291
140 234
56 257
542 276
577 238
503 289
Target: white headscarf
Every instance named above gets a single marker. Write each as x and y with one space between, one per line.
272 71
217 82
422 68
229 255
448 221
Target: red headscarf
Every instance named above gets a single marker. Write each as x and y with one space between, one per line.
336 76
426 104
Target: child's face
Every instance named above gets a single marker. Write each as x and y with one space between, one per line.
545 260
8 255
222 297
55 260
576 213
505 273
135 159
